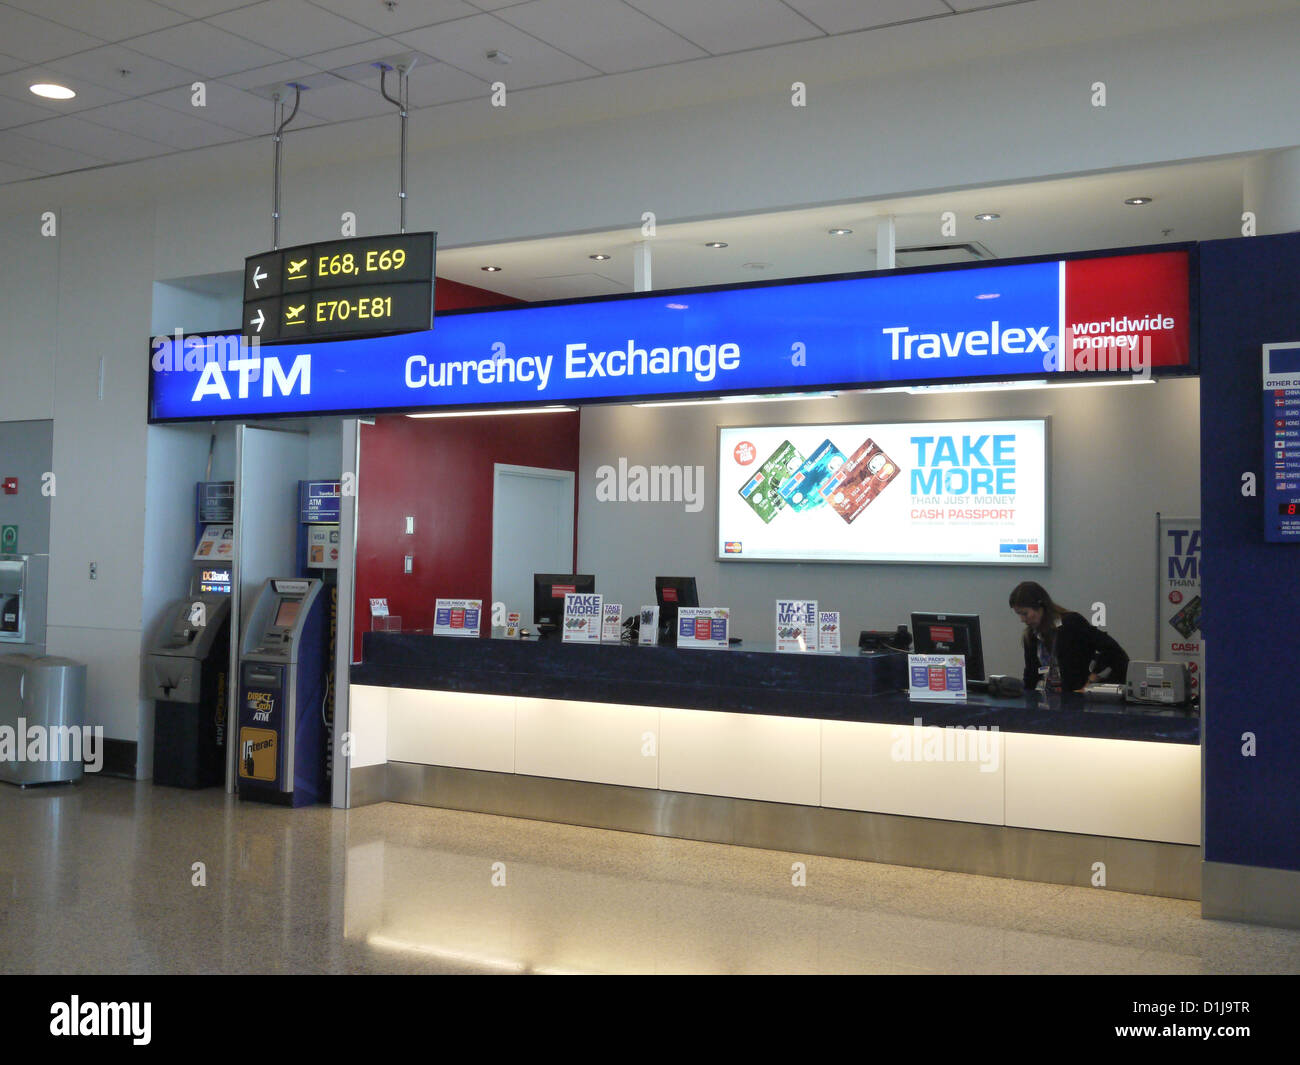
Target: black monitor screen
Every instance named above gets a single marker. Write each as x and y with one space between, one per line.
672 592
549 590
950 634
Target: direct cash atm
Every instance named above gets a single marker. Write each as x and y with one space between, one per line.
282 752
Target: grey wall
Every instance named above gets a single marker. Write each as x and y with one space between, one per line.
27 452
1118 455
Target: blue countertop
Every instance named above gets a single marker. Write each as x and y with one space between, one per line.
844 687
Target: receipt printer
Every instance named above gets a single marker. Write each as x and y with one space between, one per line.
1162 683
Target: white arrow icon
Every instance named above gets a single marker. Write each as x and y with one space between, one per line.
260 320
258 275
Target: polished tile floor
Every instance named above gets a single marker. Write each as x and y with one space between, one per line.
101 877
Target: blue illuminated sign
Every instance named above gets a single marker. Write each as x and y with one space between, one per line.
990 322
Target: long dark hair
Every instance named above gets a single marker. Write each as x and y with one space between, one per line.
1033 596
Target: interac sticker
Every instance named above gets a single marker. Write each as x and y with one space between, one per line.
257 753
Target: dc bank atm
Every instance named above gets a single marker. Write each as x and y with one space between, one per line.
187 675
281 748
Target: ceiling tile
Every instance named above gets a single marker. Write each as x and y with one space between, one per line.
293 27
104 66
161 124
368 52
225 106
37 39
17 85
9 172
206 49
971 5
8 63
845 16
37 155
202 8
346 100
78 135
16 112
609 37
111 20
463 44
435 83
276 73
407 15
730 25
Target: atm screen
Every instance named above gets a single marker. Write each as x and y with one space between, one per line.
214 582
287 614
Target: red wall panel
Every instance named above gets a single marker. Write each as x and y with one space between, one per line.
440 471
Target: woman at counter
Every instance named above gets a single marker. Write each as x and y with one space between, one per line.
1060 643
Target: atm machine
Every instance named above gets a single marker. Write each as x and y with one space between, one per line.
24 581
187 674
319 511
282 752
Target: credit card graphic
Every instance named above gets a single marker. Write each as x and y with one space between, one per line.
1188 620
760 491
863 477
800 489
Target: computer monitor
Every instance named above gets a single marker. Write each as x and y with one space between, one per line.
672 592
950 634
549 590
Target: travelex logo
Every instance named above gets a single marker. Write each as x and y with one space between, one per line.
1115 345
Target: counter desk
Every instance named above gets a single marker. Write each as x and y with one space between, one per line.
821 754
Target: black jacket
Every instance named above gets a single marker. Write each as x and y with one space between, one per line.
1078 645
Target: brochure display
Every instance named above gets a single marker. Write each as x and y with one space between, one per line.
583 614
828 632
648 633
796 625
936 677
611 630
703 627
457 617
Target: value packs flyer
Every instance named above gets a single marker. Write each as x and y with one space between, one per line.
583 615
936 677
960 491
703 627
457 617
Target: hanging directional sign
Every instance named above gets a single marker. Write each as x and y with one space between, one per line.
362 286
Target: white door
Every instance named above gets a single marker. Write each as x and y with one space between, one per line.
532 531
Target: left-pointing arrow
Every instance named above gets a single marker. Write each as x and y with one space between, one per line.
260 320
259 275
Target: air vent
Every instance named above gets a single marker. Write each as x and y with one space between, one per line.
942 254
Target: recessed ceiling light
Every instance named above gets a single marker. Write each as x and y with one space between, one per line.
491 269
987 216
599 258
1137 201
51 91
839 232
716 244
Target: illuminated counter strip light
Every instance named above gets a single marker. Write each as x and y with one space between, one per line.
498 412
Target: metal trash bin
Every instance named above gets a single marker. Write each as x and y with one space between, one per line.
47 693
